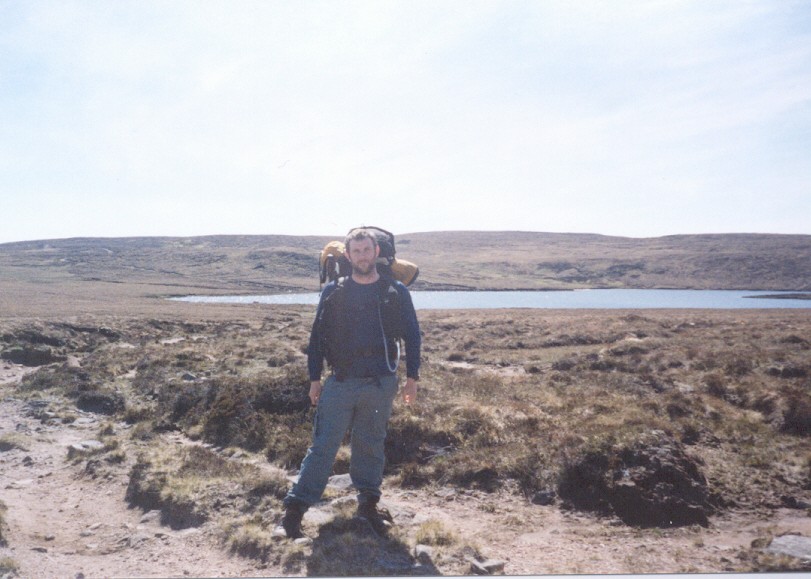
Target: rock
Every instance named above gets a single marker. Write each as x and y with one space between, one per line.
303 541
795 503
446 493
151 517
791 545
544 498
20 484
339 482
189 377
423 554
138 538
341 501
494 566
28 461
39 549
488 567
318 516
84 448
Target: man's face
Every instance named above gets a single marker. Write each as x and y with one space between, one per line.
362 254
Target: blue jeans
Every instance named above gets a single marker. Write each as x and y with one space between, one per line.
364 405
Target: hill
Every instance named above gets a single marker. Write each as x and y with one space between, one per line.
447 260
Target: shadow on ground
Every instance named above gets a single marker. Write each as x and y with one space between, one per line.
349 547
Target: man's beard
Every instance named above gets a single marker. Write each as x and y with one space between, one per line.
364 270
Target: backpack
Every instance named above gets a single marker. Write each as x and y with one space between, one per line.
335 265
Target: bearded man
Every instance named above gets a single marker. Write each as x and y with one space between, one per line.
357 328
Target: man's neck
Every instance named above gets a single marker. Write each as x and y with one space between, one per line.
365 279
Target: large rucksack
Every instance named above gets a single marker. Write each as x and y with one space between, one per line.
335 265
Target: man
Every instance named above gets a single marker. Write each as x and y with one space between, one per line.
357 327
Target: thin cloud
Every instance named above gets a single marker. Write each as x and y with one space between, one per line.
273 117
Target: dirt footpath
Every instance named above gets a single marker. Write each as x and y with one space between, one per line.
64 520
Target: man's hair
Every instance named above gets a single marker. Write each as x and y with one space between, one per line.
359 234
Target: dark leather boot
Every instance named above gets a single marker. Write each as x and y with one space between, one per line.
379 519
290 526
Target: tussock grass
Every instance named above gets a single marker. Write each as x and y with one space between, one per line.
191 486
12 441
3 528
434 532
251 536
9 565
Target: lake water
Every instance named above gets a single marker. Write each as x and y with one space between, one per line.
578 299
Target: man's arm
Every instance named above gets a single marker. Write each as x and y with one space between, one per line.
315 349
413 341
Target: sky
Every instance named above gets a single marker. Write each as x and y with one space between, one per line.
184 118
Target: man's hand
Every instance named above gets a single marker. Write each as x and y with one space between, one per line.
315 392
410 391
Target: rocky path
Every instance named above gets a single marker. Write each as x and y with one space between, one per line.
65 520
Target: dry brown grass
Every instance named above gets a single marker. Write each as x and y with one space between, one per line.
537 396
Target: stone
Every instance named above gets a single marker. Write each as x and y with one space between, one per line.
339 482
304 541
544 498
84 447
795 503
138 538
151 517
494 566
341 501
423 554
792 545
477 567
317 516
20 484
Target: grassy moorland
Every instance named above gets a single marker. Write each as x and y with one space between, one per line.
667 431
653 419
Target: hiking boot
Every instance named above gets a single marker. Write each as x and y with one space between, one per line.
290 525
379 519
